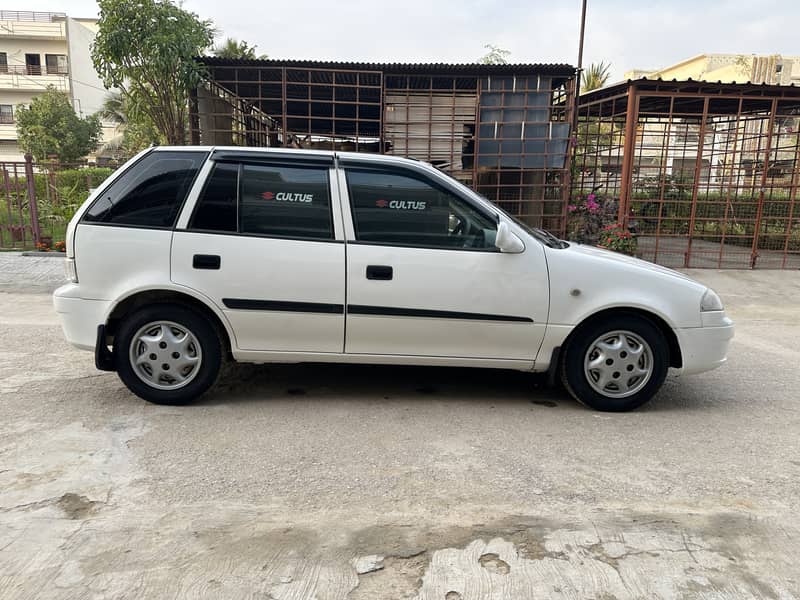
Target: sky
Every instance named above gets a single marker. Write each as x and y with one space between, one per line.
626 33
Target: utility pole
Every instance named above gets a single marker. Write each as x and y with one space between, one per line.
579 70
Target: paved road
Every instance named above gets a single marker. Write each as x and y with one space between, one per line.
327 482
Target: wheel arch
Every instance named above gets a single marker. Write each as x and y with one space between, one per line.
675 354
145 297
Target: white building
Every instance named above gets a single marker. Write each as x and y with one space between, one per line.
40 49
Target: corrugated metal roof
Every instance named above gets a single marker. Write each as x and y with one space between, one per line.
687 85
554 69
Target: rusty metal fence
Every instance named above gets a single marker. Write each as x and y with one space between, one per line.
37 200
706 175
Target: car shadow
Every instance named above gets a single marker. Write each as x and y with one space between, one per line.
247 383
369 383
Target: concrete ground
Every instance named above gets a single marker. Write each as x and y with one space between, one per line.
333 482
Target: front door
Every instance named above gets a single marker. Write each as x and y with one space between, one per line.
262 244
425 279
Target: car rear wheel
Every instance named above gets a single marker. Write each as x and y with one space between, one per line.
615 364
167 354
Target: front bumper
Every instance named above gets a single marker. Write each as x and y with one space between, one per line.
79 316
705 348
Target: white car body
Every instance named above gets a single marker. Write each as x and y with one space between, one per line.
441 307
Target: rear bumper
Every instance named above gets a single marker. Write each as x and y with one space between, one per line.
79 317
705 348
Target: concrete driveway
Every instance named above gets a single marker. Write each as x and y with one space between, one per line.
333 482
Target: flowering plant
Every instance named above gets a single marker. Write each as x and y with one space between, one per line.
587 217
616 237
43 247
61 246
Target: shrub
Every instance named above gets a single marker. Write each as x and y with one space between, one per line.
587 218
616 237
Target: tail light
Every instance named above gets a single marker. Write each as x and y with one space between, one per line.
69 270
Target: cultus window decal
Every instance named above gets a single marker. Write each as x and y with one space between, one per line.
401 204
288 197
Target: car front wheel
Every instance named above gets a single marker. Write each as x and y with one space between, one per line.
615 364
167 354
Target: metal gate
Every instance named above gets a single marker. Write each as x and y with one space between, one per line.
37 200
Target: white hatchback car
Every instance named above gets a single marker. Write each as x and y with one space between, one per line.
188 256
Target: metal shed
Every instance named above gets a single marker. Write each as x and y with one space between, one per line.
501 129
707 174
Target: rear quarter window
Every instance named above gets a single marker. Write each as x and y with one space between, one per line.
150 193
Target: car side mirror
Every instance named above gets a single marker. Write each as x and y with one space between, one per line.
507 240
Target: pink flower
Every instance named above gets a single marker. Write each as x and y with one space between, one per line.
591 198
592 206
571 207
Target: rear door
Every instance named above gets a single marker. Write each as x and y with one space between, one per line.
264 242
424 277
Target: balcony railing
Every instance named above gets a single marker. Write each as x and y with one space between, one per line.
30 15
33 70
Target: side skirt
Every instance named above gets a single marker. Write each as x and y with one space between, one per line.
380 359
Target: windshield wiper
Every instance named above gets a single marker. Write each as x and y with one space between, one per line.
551 240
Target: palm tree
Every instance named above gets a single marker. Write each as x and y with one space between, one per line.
595 76
113 109
231 48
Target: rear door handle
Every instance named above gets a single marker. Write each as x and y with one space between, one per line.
206 261
379 272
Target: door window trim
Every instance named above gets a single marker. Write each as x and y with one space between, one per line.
355 165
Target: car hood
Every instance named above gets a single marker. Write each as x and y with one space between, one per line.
615 257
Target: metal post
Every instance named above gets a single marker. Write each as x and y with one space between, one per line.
628 151
795 184
698 169
32 198
764 173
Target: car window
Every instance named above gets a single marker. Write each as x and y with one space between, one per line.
395 208
149 193
216 207
285 201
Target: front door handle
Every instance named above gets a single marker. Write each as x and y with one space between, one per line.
379 272
206 261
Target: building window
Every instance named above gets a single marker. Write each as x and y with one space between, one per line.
56 64
3 62
33 64
6 114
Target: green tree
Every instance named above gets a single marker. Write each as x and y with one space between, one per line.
595 77
148 50
135 133
231 48
49 127
495 56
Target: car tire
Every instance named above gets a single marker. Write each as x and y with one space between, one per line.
615 364
168 354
